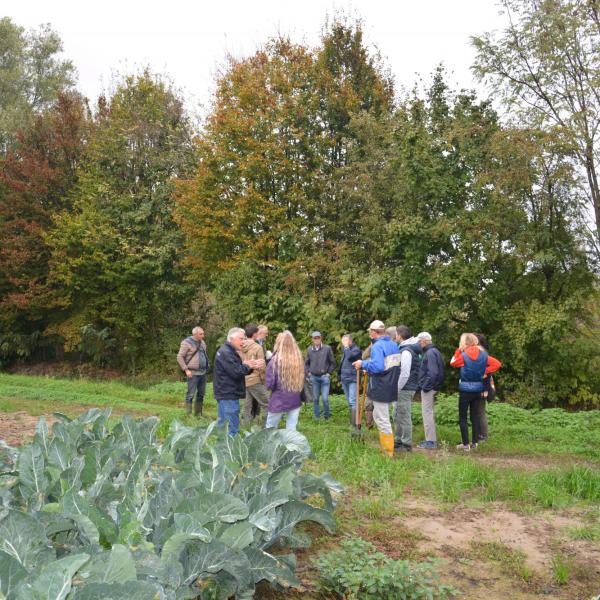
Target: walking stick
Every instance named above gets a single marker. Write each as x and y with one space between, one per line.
358 411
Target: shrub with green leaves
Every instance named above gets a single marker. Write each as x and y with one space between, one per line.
90 512
356 571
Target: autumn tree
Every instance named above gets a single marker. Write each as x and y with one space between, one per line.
259 215
116 254
37 177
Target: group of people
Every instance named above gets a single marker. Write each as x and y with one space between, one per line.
394 367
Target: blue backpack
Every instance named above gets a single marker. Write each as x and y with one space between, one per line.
473 373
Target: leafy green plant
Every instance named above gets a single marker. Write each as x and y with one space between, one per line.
356 571
90 512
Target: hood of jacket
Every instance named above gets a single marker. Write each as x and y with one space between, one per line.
412 341
473 352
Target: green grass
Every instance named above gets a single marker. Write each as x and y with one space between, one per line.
556 437
512 562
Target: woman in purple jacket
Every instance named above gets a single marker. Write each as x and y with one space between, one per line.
285 379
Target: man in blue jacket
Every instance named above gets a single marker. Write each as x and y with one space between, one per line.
229 378
384 369
431 379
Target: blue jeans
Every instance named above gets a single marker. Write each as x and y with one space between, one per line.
291 419
320 386
350 392
229 410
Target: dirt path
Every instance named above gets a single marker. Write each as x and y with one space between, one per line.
493 552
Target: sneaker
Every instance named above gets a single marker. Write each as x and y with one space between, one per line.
427 445
402 449
473 446
464 447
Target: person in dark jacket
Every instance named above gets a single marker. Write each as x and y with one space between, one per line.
488 394
408 384
285 379
229 379
431 379
320 363
347 374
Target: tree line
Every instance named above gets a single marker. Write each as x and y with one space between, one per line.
313 195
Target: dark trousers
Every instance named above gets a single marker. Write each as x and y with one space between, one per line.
468 402
196 386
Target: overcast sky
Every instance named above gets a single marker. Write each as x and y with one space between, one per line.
189 40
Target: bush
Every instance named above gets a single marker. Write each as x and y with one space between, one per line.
358 572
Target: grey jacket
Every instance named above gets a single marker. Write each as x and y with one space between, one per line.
320 361
188 358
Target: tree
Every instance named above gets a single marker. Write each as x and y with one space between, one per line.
262 215
32 76
116 255
470 228
37 177
546 63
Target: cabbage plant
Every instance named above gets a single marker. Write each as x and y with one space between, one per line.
92 512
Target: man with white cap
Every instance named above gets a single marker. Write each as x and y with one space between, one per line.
320 363
384 369
431 379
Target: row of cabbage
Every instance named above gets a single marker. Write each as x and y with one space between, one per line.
92 511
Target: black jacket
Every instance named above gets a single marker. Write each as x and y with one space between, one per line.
346 372
321 361
229 374
431 373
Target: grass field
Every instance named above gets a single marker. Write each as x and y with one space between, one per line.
519 517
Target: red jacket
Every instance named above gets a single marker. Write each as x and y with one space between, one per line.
493 364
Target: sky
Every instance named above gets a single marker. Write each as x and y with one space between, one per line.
190 40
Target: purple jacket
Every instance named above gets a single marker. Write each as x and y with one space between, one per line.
281 400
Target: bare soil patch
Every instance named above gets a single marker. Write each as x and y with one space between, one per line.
18 427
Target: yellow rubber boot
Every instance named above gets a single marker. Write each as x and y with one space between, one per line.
387 443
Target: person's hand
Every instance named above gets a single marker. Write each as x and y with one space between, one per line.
259 363
188 373
357 364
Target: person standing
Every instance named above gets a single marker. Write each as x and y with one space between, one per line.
257 395
285 379
193 361
408 384
384 369
261 339
474 364
431 379
320 364
229 379
488 394
347 374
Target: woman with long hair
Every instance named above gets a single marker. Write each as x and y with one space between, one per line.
285 378
474 364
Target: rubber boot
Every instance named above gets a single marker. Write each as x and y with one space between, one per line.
369 418
198 409
387 443
188 408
